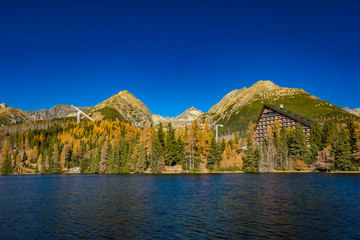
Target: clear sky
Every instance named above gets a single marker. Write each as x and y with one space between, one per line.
174 54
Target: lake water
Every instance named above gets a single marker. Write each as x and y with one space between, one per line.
191 206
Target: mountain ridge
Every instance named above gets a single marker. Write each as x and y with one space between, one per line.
235 110
58 111
123 106
11 116
355 111
185 118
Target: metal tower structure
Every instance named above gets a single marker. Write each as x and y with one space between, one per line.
81 113
216 129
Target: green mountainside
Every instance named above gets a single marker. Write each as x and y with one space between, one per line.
234 111
238 108
124 107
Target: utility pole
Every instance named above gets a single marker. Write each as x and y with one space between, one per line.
217 133
79 113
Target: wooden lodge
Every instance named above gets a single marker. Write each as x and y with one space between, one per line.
270 114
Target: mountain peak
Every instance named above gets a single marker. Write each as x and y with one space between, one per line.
192 109
186 118
58 111
10 116
239 107
124 92
124 106
265 82
3 105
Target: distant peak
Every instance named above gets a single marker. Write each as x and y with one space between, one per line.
192 109
60 106
124 92
3 105
265 82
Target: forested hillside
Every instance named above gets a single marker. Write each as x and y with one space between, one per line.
240 107
115 147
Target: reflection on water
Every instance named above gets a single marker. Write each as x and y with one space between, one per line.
195 206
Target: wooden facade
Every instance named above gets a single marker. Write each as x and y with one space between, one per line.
270 114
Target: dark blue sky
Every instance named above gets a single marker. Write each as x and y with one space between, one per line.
175 54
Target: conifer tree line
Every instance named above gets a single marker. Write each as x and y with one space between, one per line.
335 146
114 147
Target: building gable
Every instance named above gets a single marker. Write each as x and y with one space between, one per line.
270 114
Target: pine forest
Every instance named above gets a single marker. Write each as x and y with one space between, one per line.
115 147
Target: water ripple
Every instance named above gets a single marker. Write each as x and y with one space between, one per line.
216 206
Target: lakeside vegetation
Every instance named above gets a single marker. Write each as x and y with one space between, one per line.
115 147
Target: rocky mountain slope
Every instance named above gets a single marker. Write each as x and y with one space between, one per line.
10 115
239 107
234 111
355 111
59 111
125 107
186 118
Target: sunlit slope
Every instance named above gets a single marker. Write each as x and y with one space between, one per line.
239 107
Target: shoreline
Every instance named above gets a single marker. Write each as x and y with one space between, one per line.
214 172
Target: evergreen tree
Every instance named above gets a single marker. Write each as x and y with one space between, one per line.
251 161
181 152
6 166
124 156
156 160
316 136
357 142
214 156
95 160
236 139
171 155
223 145
342 152
297 145
55 161
76 154
6 162
252 154
104 157
114 159
84 165
329 134
313 153
161 138
351 126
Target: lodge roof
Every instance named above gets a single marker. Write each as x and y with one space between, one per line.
290 114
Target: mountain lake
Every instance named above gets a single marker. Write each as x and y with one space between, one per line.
181 206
